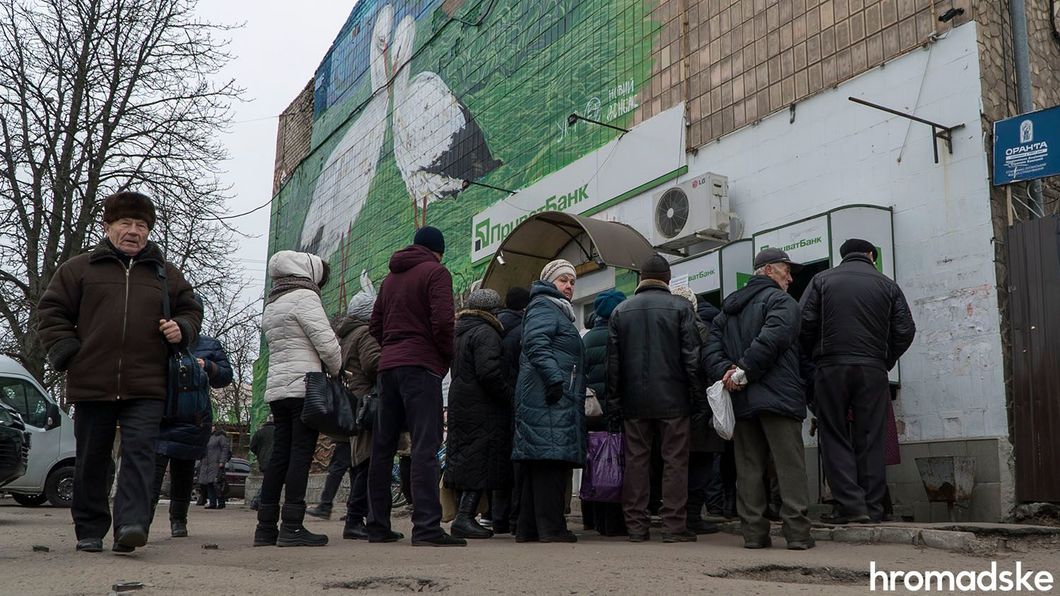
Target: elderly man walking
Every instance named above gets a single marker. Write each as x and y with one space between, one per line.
101 321
754 349
653 385
413 322
856 324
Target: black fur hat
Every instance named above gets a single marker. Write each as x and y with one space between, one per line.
129 204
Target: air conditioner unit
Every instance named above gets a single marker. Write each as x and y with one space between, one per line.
693 212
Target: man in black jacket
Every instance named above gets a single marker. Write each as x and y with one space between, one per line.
756 336
653 384
856 323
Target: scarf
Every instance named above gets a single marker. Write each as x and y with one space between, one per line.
290 283
564 305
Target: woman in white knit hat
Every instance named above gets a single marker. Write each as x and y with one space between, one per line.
549 406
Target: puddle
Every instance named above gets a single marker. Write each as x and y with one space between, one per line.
797 574
392 584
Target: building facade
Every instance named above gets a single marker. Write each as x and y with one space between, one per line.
456 113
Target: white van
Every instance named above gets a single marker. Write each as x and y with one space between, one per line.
49 473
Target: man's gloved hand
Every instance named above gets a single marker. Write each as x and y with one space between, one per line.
554 393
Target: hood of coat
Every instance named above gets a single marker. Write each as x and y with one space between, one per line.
347 325
288 263
544 288
706 311
510 319
409 257
470 318
739 299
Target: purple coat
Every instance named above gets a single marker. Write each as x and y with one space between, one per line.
413 316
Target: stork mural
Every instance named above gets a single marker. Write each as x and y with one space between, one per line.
438 147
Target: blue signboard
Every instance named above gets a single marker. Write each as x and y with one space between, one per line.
1027 147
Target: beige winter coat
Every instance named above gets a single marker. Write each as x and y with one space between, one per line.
297 330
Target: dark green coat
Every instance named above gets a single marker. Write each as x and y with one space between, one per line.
552 353
595 342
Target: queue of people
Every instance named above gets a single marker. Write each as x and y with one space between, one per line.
517 411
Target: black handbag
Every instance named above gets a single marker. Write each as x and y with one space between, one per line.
187 384
367 410
328 406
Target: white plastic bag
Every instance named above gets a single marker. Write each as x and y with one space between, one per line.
721 406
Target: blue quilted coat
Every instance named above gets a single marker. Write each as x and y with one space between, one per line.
552 353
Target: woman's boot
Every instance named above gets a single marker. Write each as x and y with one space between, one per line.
266 533
292 532
178 518
465 525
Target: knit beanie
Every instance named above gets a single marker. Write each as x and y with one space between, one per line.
606 301
129 204
484 299
555 269
431 238
686 293
856 245
360 306
517 299
656 268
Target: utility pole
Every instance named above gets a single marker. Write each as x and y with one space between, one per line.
1024 98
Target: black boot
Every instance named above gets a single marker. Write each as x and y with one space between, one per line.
292 532
178 518
322 511
354 528
465 525
266 532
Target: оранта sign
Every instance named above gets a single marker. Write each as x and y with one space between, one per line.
1027 147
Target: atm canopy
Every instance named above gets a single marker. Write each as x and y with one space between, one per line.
589 244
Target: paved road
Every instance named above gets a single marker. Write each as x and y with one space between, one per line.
593 566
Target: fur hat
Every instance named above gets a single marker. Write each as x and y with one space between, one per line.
555 269
656 268
431 238
484 299
129 204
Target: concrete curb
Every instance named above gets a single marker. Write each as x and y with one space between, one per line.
954 541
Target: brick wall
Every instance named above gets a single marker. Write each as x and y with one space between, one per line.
745 59
293 135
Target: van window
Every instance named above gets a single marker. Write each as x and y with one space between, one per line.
25 398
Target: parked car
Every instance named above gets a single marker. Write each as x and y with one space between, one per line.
49 474
14 445
236 471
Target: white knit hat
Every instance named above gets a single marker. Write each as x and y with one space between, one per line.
360 306
686 293
555 269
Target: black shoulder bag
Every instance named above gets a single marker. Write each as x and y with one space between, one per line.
187 386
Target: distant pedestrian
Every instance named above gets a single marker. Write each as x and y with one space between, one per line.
261 446
505 503
300 340
212 468
413 322
549 406
855 325
101 320
479 441
654 387
757 334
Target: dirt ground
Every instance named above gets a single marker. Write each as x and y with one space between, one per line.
717 564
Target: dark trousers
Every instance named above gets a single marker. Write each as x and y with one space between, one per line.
94 429
674 437
411 397
292 453
700 466
541 503
181 479
341 463
757 438
721 491
357 504
853 454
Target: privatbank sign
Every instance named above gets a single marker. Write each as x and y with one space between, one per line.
651 151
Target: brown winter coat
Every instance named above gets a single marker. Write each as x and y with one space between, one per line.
98 320
360 358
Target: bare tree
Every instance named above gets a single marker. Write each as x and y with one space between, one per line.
98 96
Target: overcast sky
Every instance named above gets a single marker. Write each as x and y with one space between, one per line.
276 53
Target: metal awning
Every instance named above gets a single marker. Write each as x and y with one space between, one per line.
547 236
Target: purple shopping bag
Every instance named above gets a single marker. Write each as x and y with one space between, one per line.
604 464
